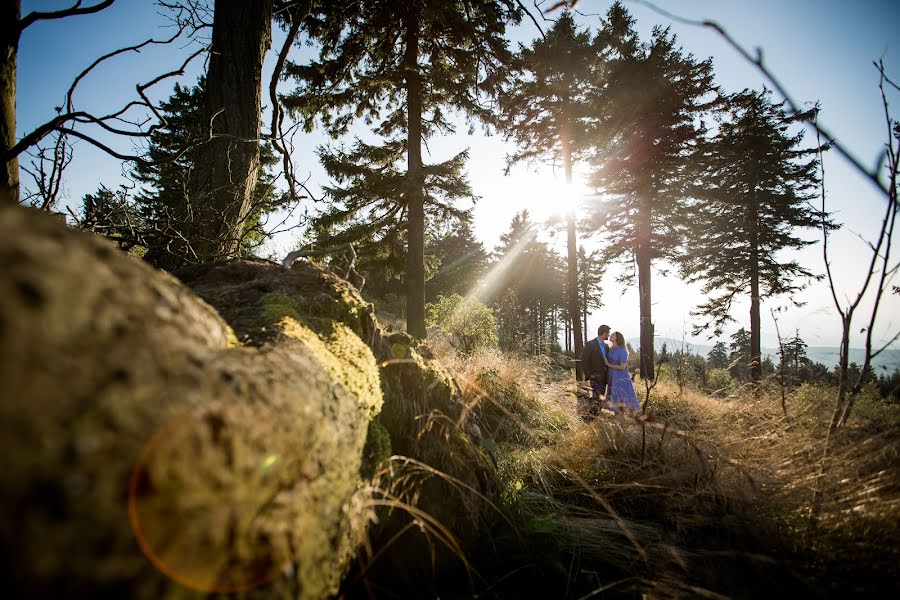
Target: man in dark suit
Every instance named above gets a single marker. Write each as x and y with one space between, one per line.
593 364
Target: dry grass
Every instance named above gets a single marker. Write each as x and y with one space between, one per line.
680 499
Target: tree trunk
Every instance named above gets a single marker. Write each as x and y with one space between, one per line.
9 31
755 349
643 257
574 305
843 367
227 167
415 179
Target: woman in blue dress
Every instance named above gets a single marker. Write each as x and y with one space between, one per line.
621 395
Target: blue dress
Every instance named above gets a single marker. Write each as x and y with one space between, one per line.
621 390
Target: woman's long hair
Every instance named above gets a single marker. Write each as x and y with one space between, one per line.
620 340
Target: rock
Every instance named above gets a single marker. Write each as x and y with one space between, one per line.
144 437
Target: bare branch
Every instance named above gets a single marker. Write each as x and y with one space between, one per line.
757 60
276 132
72 11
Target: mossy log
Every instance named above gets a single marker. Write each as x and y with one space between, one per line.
137 426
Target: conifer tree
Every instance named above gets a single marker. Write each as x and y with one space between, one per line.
739 354
367 206
550 118
650 109
590 280
165 180
461 261
404 65
753 201
718 356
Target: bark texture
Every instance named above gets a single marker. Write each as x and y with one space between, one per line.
643 258
168 439
227 166
143 438
415 200
9 38
572 247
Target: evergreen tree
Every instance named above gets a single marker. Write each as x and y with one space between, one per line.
590 283
165 176
650 127
112 215
718 356
367 206
550 117
461 262
754 198
529 288
739 354
794 361
403 64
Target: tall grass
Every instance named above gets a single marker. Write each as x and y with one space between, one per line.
724 482
717 505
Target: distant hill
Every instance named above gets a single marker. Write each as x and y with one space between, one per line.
884 363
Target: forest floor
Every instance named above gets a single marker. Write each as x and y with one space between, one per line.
702 497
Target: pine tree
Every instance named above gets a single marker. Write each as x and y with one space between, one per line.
367 206
529 288
461 262
590 283
404 64
650 110
739 354
550 117
718 356
754 199
164 177
113 215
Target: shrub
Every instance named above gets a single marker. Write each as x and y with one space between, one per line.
719 382
466 321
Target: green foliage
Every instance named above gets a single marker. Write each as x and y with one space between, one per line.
468 322
368 208
719 382
113 215
527 289
649 124
548 108
873 409
171 158
754 196
718 356
461 261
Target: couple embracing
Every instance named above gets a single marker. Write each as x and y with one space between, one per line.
603 362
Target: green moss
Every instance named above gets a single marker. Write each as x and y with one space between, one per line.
231 340
334 304
346 357
377 448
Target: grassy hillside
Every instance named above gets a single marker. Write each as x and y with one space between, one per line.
702 497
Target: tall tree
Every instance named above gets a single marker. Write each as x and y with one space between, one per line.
12 24
462 261
718 356
651 109
166 172
367 205
739 354
550 118
754 199
221 186
404 64
590 283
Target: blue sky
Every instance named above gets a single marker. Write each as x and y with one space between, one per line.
822 50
